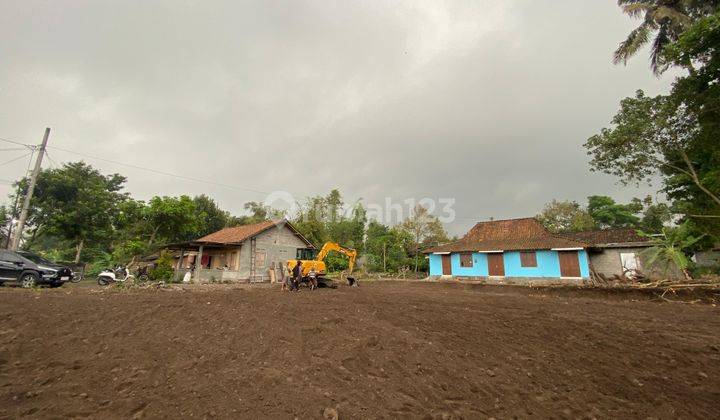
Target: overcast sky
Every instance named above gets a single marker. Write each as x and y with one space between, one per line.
486 102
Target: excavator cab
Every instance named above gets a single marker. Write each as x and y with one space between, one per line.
306 254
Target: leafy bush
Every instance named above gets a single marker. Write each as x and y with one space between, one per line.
125 251
103 261
163 270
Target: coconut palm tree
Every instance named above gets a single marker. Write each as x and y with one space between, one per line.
666 20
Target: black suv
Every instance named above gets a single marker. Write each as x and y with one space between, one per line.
30 269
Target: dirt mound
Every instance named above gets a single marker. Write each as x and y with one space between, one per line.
381 350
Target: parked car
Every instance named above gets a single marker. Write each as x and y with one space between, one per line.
30 269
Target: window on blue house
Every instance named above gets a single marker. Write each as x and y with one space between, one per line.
528 259
466 259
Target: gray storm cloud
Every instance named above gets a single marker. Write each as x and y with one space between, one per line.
486 102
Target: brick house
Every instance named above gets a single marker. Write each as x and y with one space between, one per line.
242 253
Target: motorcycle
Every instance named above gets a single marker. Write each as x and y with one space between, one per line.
119 275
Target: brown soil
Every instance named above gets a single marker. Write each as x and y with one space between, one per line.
381 350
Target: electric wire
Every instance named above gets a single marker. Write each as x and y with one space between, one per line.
139 167
53 164
13 160
170 174
15 142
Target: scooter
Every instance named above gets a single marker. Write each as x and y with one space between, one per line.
119 275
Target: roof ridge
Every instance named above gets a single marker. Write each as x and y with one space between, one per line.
562 236
507 220
604 230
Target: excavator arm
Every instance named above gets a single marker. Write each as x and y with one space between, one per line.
350 253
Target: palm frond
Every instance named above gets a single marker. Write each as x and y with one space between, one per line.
635 40
635 10
657 59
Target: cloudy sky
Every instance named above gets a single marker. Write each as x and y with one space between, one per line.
486 102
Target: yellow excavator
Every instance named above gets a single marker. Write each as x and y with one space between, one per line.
305 256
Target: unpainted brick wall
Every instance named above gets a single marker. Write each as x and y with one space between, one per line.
278 244
608 263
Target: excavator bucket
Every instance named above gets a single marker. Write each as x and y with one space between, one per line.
326 282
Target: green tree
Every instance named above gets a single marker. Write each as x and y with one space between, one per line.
565 216
76 203
333 206
425 231
655 216
609 214
666 20
170 218
5 220
209 217
349 231
696 190
385 248
674 136
259 212
310 221
650 136
323 219
131 230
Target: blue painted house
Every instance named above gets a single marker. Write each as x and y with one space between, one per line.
515 248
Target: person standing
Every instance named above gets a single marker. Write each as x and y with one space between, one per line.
297 276
187 278
312 278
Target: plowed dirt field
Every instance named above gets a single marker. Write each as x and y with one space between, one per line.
385 349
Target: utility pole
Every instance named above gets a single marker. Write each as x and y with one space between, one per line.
31 189
12 217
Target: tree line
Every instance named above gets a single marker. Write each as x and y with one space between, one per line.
603 212
79 214
671 137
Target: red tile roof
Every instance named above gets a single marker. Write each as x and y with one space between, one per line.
508 235
608 237
237 234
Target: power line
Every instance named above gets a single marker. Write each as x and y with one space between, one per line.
170 174
12 149
142 168
13 160
15 142
52 161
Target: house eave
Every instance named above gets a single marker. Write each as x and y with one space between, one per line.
623 245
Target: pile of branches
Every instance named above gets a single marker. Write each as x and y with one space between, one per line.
638 279
709 282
